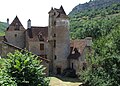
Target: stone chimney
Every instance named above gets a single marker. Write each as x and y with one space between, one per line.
8 21
88 41
29 23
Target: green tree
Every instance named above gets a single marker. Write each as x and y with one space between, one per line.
106 72
25 69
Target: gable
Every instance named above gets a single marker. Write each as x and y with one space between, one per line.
15 25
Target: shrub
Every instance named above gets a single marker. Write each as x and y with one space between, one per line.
105 73
25 69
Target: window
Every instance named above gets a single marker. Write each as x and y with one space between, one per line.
15 35
40 37
72 65
41 46
16 26
54 22
54 43
54 35
55 57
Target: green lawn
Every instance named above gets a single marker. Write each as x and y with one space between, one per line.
54 81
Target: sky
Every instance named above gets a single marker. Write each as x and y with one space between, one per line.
36 10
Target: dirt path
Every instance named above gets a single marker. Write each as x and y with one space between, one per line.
58 82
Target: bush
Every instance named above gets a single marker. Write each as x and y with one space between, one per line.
105 73
25 69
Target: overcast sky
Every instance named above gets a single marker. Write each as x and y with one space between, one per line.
36 10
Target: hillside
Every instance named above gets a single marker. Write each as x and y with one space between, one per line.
99 19
3 26
102 24
85 22
93 4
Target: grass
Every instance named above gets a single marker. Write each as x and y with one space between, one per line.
62 81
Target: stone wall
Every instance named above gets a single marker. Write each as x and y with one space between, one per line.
77 65
62 49
16 38
7 49
34 47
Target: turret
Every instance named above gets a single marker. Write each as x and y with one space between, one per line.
58 39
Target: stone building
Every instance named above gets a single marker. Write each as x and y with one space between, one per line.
51 43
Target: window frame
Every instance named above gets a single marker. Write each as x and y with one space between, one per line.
42 46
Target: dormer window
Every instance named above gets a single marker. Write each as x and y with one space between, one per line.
40 37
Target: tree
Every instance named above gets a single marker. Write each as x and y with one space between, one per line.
25 69
103 73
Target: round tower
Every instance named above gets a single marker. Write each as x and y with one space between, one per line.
60 40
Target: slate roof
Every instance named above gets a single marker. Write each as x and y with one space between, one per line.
79 44
9 44
16 20
77 48
36 31
60 12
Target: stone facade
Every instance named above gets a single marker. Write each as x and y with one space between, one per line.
15 33
51 43
59 41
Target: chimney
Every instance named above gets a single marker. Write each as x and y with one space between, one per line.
29 23
8 21
29 28
88 41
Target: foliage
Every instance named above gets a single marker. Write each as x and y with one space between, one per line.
96 22
24 69
1 63
93 4
6 80
104 73
102 23
3 27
